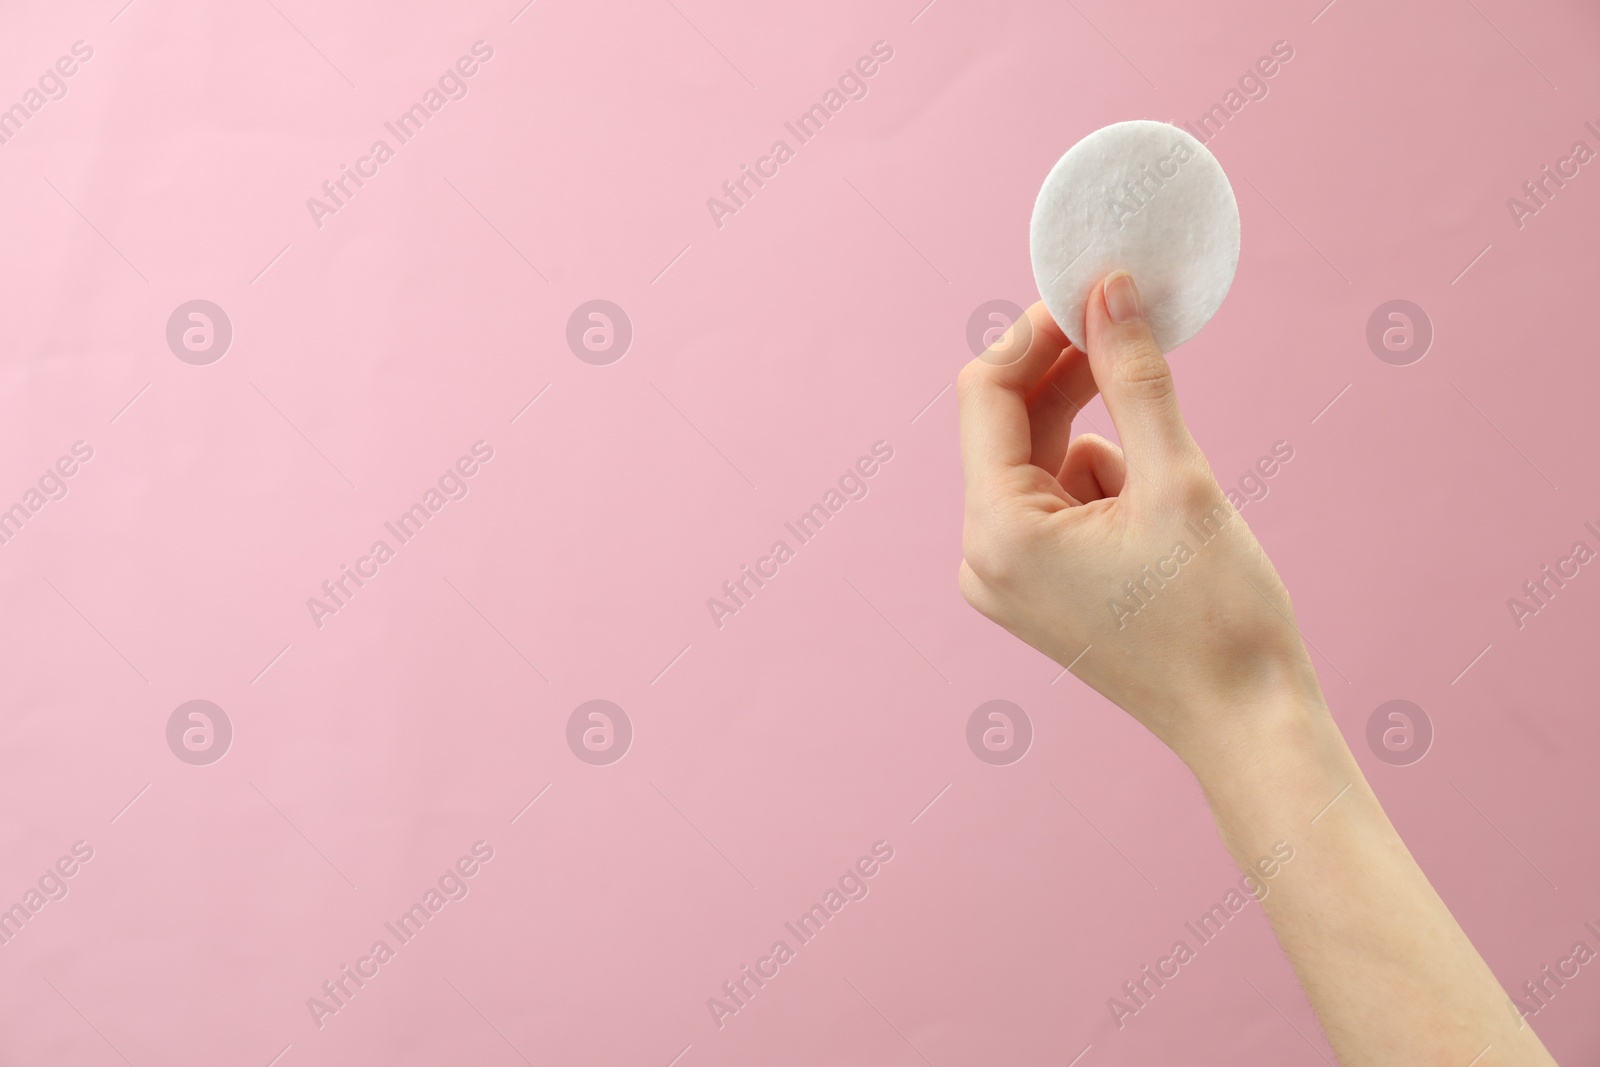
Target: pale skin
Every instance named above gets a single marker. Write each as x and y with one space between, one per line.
1212 663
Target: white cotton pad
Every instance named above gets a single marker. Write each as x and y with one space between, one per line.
1144 197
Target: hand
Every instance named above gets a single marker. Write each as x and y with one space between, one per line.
1132 569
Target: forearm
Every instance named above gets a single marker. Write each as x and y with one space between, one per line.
1392 977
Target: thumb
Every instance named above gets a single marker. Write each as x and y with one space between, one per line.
1133 375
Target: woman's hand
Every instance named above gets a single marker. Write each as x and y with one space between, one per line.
1127 565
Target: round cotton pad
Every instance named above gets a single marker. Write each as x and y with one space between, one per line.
1147 198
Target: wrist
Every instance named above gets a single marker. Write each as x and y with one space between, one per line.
1276 756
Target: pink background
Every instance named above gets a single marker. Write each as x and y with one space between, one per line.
768 354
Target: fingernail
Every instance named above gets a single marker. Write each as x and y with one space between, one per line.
1122 299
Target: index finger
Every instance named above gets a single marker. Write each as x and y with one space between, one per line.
993 393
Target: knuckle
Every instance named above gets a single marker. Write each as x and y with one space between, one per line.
1198 493
986 560
981 559
970 380
1143 373
970 585
998 554
978 595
